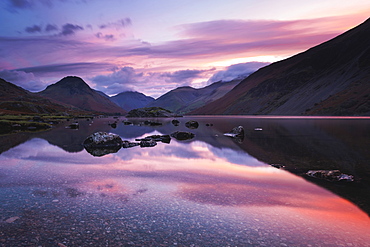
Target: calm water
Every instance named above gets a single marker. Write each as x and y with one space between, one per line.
208 191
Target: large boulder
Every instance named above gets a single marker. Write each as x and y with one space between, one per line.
102 143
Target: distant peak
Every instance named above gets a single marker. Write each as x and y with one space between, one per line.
72 81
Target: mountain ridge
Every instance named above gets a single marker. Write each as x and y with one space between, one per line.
182 100
129 100
16 100
319 81
74 91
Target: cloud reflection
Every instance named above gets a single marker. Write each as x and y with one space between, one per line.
48 153
195 172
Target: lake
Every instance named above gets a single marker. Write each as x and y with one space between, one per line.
212 190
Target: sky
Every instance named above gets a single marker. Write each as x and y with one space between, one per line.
155 46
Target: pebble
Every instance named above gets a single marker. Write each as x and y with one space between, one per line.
11 219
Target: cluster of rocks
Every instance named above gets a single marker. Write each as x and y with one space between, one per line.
149 112
102 143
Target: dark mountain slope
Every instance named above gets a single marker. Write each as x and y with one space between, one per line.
74 91
329 79
185 99
16 100
131 100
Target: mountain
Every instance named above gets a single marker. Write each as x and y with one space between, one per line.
16 100
102 94
185 99
74 91
131 100
332 78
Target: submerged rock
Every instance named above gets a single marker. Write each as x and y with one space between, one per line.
175 122
237 133
113 125
278 166
150 143
127 123
156 138
152 123
74 125
331 175
128 144
192 124
99 152
181 135
102 143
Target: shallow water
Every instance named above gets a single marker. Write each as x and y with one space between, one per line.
211 190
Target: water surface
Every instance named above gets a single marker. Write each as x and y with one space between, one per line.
209 191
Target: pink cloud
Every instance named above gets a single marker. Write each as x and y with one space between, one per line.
163 64
210 41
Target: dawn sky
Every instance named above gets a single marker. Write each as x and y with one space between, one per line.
155 46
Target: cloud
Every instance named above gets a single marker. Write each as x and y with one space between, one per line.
146 81
70 29
239 38
184 76
23 79
29 78
201 43
33 29
234 71
67 29
14 5
72 68
50 28
107 37
122 23
21 4
118 81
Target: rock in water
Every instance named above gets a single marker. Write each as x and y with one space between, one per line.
128 144
103 139
150 143
331 175
102 143
175 122
156 138
237 133
192 124
181 136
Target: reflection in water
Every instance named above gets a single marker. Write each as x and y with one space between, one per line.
206 191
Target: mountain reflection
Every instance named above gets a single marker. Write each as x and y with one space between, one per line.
208 184
298 144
